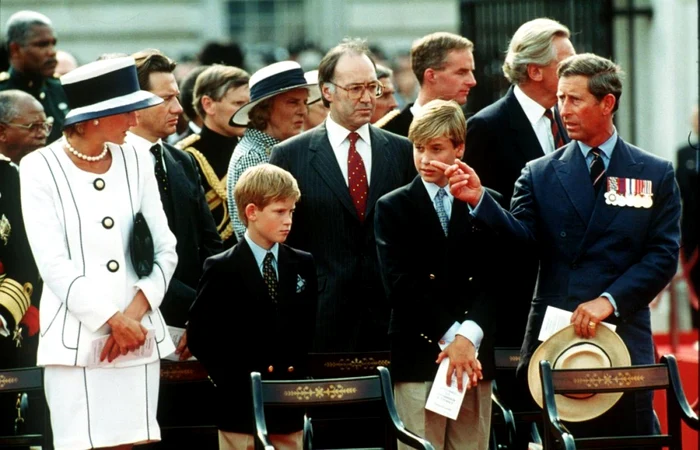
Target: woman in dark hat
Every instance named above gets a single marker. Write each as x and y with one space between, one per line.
102 334
279 95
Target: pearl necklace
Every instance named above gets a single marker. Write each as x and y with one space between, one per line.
86 157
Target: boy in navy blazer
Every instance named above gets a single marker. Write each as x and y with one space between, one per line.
421 233
266 322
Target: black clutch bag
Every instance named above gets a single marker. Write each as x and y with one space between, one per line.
142 253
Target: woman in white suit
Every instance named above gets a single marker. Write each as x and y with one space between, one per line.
102 334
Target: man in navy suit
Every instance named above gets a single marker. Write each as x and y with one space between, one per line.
603 216
501 139
343 166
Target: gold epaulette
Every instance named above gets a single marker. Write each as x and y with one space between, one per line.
388 117
4 76
217 195
16 298
188 141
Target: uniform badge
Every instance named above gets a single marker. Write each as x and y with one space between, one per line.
5 229
629 192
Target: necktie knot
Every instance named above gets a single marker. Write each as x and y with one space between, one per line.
155 150
548 114
353 137
441 193
597 169
556 134
595 151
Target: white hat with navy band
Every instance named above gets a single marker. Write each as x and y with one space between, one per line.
104 88
271 80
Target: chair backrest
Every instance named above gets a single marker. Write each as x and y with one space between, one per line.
21 382
619 379
348 364
506 357
326 392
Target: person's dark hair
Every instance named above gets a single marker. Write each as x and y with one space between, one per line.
226 53
384 72
19 26
215 82
151 61
326 69
187 91
259 115
431 51
604 76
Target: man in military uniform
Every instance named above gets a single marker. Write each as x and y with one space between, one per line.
218 93
31 44
23 128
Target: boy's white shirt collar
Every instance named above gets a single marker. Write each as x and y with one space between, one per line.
259 252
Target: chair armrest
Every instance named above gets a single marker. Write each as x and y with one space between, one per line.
262 440
550 417
402 433
506 412
308 433
686 412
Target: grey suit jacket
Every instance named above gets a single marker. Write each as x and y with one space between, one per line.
353 313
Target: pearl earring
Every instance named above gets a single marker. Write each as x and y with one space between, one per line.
95 122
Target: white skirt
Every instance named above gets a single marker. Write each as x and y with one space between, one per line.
102 407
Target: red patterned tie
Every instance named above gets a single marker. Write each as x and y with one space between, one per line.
558 138
357 177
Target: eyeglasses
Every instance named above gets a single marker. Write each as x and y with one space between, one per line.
33 127
356 91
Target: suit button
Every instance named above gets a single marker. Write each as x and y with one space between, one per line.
99 184
290 369
112 266
562 234
430 341
471 278
431 276
108 222
270 369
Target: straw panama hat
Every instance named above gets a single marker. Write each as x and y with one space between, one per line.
104 88
565 350
271 80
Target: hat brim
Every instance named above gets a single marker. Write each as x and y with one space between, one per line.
119 105
577 409
240 118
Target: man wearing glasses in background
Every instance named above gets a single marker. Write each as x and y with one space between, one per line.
443 63
342 167
31 43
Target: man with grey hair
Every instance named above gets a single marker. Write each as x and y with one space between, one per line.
31 44
443 63
503 137
604 217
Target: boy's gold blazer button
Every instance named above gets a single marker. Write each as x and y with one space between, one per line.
431 276
290 369
270 369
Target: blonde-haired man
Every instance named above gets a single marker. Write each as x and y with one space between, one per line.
429 319
443 63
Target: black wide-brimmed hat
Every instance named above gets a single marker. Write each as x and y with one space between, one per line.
271 80
104 88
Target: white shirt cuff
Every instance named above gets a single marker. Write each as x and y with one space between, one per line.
469 329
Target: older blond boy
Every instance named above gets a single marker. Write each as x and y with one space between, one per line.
422 236
267 320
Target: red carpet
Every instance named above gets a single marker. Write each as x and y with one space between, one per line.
687 357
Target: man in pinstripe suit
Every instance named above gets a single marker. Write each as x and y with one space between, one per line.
352 314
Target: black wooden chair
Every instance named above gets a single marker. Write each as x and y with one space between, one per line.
32 427
663 376
326 392
505 421
332 423
185 407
